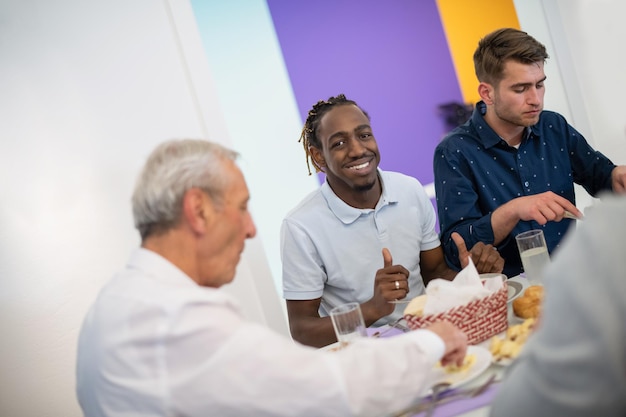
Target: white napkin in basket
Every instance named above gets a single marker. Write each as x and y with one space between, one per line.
443 295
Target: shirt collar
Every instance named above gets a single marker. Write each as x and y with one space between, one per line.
158 268
348 214
487 135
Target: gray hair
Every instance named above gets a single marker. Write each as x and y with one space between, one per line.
173 168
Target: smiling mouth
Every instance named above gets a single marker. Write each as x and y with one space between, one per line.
360 166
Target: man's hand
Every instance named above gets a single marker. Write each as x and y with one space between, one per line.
544 207
454 339
391 283
618 177
485 257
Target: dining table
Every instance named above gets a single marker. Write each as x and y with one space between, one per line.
478 405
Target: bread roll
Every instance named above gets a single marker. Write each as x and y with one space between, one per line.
534 291
416 306
529 304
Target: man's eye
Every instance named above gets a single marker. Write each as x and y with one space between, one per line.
338 143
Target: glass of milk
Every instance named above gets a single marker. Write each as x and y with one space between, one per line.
534 253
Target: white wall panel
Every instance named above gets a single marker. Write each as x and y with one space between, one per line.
585 69
596 32
88 89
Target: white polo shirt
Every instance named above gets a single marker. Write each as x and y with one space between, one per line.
332 250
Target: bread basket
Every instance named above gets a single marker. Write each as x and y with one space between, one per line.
479 319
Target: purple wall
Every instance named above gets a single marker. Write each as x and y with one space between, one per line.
391 57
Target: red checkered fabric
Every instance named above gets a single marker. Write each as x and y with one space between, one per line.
479 319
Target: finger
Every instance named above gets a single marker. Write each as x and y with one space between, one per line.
387 259
566 205
619 184
490 255
481 256
455 357
556 213
460 244
493 262
577 213
539 216
550 211
499 265
461 357
456 354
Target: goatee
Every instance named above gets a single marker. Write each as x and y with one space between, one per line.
365 187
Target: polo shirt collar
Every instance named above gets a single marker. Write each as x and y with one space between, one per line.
348 214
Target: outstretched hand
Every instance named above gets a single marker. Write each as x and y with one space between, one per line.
485 257
455 342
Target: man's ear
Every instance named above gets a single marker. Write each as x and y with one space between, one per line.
197 210
318 157
486 92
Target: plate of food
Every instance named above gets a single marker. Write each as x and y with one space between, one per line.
506 348
476 361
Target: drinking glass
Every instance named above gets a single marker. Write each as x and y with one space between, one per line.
348 323
534 253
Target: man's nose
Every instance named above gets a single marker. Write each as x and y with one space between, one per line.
533 96
355 146
251 229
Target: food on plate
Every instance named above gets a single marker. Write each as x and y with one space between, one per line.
416 306
468 361
510 346
529 304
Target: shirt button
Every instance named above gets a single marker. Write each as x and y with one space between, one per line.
526 184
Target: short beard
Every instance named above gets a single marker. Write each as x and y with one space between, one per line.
365 187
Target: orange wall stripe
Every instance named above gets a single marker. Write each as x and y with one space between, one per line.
465 23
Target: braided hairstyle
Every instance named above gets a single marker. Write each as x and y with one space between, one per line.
308 137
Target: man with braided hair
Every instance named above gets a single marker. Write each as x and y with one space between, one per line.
365 235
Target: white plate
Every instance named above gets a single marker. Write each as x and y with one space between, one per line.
483 360
515 289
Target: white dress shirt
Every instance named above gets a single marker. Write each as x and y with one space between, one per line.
156 344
